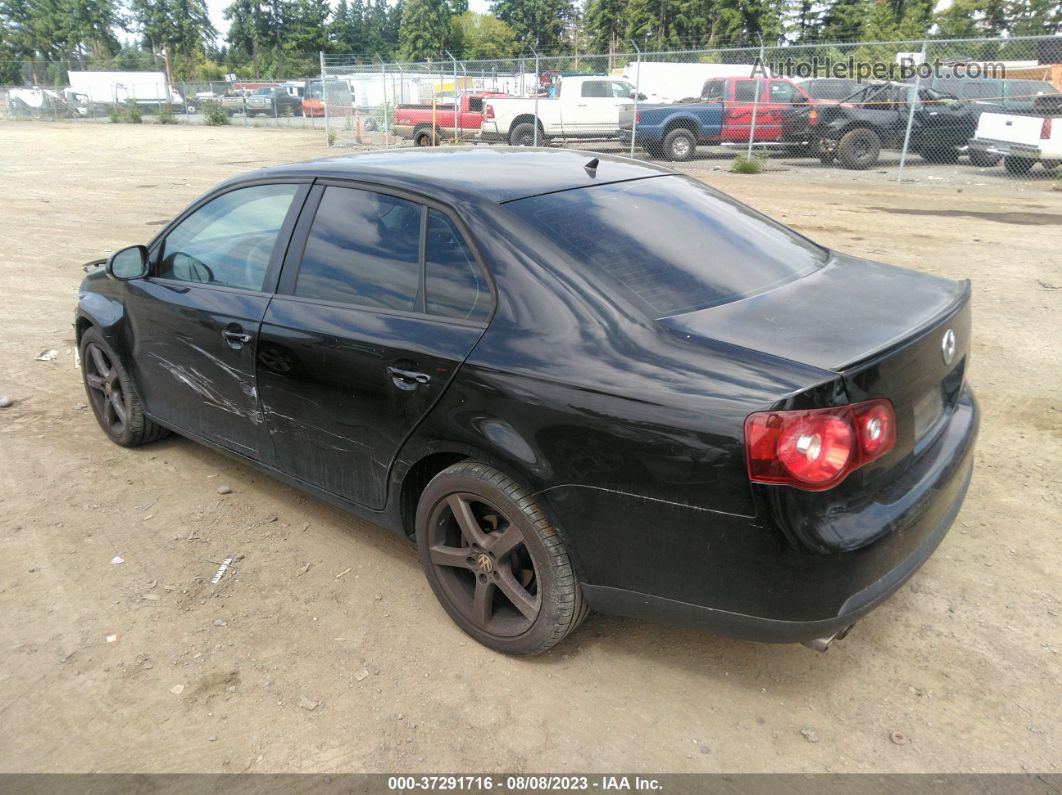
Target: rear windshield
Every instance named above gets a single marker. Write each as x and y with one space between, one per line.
831 89
670 244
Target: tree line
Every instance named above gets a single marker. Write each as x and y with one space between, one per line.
283 38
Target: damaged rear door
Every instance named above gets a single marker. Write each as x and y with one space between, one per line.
194 321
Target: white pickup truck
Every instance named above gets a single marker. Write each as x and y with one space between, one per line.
582 107
1022 140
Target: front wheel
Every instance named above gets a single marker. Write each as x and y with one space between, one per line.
495 562
680 145
112 395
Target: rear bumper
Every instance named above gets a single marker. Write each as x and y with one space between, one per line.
735 576
1005 148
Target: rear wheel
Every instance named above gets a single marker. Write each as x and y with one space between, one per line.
984 159
524 135
680 145
423 138
1050 165
111 393
494 561
1017 165
858 149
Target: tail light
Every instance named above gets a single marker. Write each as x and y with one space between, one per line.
1045 129
638 117
813 117
818 448
489 112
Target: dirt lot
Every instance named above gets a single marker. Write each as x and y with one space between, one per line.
288 666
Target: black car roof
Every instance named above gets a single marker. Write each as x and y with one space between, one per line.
497 173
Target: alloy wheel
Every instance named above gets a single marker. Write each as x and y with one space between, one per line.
483 565
105 389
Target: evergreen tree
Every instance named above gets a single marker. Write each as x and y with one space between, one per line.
542 24
605 24
425 29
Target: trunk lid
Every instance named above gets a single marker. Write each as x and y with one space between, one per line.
848 311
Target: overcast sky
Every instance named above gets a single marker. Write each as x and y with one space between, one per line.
217 12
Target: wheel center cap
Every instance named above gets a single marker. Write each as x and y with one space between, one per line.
484 565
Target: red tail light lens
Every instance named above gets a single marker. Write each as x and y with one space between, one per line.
489 112
638 117
818 448
813 117
1045 129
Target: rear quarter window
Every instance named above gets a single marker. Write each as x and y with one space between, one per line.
670 244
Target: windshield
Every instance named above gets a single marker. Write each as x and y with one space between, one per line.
670 244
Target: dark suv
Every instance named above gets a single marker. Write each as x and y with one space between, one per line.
855 130
273 101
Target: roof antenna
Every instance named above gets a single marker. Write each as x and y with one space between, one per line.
591 167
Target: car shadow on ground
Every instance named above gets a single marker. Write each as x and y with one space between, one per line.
790 669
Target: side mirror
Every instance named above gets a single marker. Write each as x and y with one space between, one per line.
129 263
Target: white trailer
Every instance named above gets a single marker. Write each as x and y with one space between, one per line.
98 90
668 82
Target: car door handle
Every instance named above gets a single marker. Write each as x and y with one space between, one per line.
236 336
408 376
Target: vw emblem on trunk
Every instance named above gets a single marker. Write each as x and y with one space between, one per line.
947 346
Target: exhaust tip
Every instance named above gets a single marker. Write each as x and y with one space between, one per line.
824 643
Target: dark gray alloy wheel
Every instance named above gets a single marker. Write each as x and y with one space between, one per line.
495 562
113 397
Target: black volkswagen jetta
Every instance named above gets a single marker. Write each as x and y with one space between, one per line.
579 384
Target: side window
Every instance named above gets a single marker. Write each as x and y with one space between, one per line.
712 91
595 88
228 241
475 104
455 285
745 91
621 90
364 248
782 92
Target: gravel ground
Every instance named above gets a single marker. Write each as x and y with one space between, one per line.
323 649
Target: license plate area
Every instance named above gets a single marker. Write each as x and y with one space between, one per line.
928 411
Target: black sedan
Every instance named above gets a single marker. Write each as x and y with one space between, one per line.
577 384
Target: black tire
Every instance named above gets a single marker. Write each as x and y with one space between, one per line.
423 138
1050 166
944 154
984 159
111 394
296 111
524 135
1017 165
511 555
858 149
680 145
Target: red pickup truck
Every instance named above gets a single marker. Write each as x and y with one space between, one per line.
738 97
416 121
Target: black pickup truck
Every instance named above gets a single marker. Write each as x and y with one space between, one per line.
855 130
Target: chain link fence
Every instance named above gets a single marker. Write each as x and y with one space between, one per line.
961 110
902 110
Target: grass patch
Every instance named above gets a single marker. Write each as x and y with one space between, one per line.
749 165
214 114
